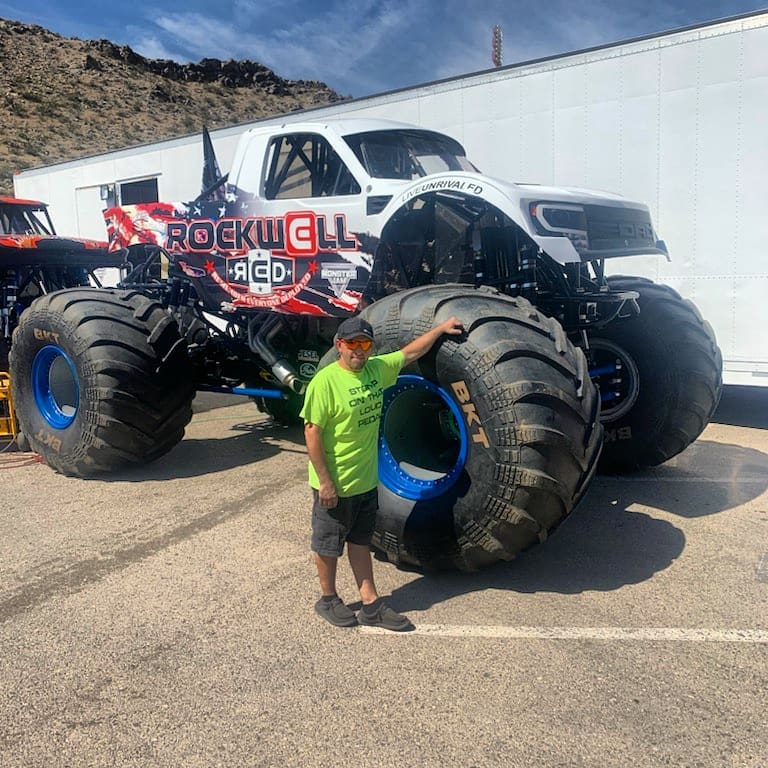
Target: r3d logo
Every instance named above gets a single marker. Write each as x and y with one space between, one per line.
262 271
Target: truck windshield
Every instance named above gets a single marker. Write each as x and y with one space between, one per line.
407 154
18 219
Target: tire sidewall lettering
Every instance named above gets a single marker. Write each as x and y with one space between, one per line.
45 335
472 420
49 440
615 435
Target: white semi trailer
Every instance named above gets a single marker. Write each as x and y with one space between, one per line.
676 120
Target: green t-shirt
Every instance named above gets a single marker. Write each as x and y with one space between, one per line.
346 405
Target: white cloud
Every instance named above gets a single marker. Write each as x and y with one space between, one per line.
360 47
337 46
151 47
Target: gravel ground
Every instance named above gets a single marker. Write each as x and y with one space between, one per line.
163 617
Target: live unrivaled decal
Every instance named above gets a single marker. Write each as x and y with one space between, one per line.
300 262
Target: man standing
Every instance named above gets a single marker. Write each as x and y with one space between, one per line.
342 410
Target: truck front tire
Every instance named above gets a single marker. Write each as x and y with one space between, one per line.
489 441
660 377
100 380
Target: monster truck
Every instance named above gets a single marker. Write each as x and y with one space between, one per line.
489 441
34 261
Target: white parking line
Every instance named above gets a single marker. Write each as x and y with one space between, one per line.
762 568
652 634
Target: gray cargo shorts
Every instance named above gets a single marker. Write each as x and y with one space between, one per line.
352 520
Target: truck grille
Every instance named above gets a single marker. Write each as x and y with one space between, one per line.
612 229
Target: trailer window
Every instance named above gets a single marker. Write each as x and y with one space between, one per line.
143 191
305 165
407 154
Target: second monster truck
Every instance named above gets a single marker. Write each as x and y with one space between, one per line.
488 442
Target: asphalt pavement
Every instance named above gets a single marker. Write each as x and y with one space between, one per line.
163 617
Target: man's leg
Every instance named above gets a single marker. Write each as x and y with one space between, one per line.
328 535
330 606
326 572
374 613
361 562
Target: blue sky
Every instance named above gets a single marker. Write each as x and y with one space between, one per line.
363 47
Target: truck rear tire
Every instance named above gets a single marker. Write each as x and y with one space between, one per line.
100 380
661 377
487 442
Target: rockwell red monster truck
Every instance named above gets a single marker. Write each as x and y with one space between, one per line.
488 442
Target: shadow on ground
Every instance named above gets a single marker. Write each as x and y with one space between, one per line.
705 479
248 442
601 547
606 544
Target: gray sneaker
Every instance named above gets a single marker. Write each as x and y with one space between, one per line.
336 612
385 618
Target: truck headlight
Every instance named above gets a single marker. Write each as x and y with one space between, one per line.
561 220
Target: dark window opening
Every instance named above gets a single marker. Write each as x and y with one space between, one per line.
144 191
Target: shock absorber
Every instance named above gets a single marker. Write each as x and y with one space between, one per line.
528 275
479 264
7 303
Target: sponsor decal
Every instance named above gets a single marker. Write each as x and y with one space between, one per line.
441 185
307 370
338 276
308 356
261 272
298 233
242 297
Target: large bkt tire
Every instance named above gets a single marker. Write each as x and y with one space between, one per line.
487 442
659 374
100 380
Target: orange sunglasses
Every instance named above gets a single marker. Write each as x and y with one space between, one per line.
364 344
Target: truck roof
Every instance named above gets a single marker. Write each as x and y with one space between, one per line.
21 201
343 127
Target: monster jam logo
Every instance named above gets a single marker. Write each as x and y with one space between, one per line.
298 233
338 276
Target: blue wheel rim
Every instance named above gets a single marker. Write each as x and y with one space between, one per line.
423 440
55 386
616 376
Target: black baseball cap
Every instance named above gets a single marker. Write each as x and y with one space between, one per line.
353 327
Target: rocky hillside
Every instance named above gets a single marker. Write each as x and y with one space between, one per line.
63 98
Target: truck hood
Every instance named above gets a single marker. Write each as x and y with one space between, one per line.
38 250
611 225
